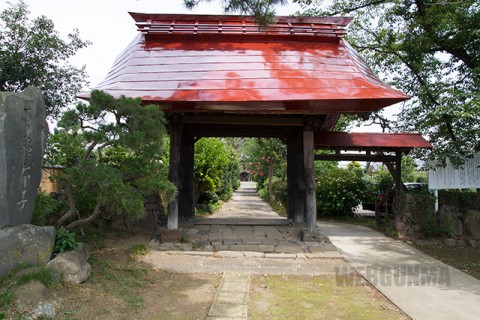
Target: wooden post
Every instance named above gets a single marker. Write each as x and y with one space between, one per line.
175 151
398 172
309 160
299 216
292 177
186 200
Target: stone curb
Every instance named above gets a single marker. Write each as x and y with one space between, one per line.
254 254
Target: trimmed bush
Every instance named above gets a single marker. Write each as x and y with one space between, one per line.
340 191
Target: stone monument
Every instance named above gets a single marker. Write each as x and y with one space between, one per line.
23 134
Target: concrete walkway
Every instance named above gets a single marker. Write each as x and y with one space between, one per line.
249 238
423 287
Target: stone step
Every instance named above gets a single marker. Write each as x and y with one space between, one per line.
244 222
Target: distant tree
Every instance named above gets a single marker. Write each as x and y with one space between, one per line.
431 51
269 158
112 150
33 54
261 9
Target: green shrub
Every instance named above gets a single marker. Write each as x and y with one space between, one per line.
64 240
391 232
208 197
462 199
339 191
385 182
279 204
207 208
216 169
47 209
183 238
280 191
432 229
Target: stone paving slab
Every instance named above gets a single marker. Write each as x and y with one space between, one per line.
231 298
182 261
244 221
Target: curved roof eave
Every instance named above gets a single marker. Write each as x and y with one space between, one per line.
257 72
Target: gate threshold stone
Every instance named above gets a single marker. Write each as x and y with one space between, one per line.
244 222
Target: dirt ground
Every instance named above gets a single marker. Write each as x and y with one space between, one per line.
121 286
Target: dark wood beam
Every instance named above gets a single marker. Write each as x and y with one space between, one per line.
355 157
239 131
243 120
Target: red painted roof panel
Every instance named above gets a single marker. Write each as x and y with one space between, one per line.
314 76
363 140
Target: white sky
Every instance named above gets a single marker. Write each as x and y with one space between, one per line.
107 24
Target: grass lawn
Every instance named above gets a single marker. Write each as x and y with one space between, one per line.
317 297
466 259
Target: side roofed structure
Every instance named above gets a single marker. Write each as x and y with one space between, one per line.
225 76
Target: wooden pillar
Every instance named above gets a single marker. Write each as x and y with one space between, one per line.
309 161
175 125
186 199
299 216
398 172
292 177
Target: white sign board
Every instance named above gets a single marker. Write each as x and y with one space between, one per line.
449 177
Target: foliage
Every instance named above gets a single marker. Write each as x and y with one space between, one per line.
279 202
427 49
261 9
462 199
47 209
112 151
430 51
208 203
183 238
266 159
216 168
64 240
139 249
207 208
32 53
391 232
42 274
385 182
432 229
339 191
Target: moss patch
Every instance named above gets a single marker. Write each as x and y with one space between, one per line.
304 297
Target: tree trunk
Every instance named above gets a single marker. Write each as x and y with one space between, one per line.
71 205
96 213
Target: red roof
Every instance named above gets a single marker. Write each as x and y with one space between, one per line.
368 141
225 63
